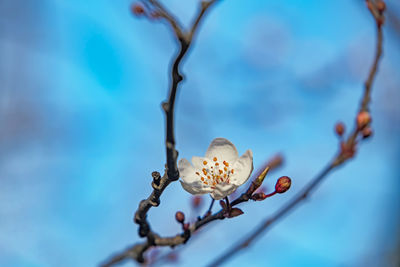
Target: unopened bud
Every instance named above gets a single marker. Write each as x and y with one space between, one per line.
283 184
363 119
156 175
196 201
367 132
339 128
235 212
180 216
137 9
381 6
369 5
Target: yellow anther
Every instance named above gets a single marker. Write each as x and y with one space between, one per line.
215 159
204 171
206 183
216 164
197 173
220 171
232 171
225 169
205 162
202 178
226 163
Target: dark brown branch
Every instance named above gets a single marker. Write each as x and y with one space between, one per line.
341 157
272 164
171 173
136 252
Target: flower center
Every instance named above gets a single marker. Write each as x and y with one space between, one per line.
215 172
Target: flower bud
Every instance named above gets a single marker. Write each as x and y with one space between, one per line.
339 128
381 6
197 201
180 216
283 184
363 119
137 9
367 132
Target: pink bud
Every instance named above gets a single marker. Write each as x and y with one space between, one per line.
363 119
283 184
137 9
339 128
180 216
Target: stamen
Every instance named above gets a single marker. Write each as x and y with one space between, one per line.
215 175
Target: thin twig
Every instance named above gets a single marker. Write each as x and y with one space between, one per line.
271 165
136 252
171 173
338 160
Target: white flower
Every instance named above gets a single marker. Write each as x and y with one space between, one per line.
220 172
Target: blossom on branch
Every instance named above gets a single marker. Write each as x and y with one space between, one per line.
219 173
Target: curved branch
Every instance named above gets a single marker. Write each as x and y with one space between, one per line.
171 174
342 156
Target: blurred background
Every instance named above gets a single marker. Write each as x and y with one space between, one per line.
81 128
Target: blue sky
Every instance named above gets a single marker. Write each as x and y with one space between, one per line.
81 84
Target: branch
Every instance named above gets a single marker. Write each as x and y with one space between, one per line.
171 173
272 164
345 153
136 252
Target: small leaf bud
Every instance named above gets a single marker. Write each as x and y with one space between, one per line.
339 128
137 9
367 132
381 6
363 119
235 212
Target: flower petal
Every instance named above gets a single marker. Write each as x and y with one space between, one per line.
198 162
187 172
222 149
243 168
189 180
196 188
223 190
